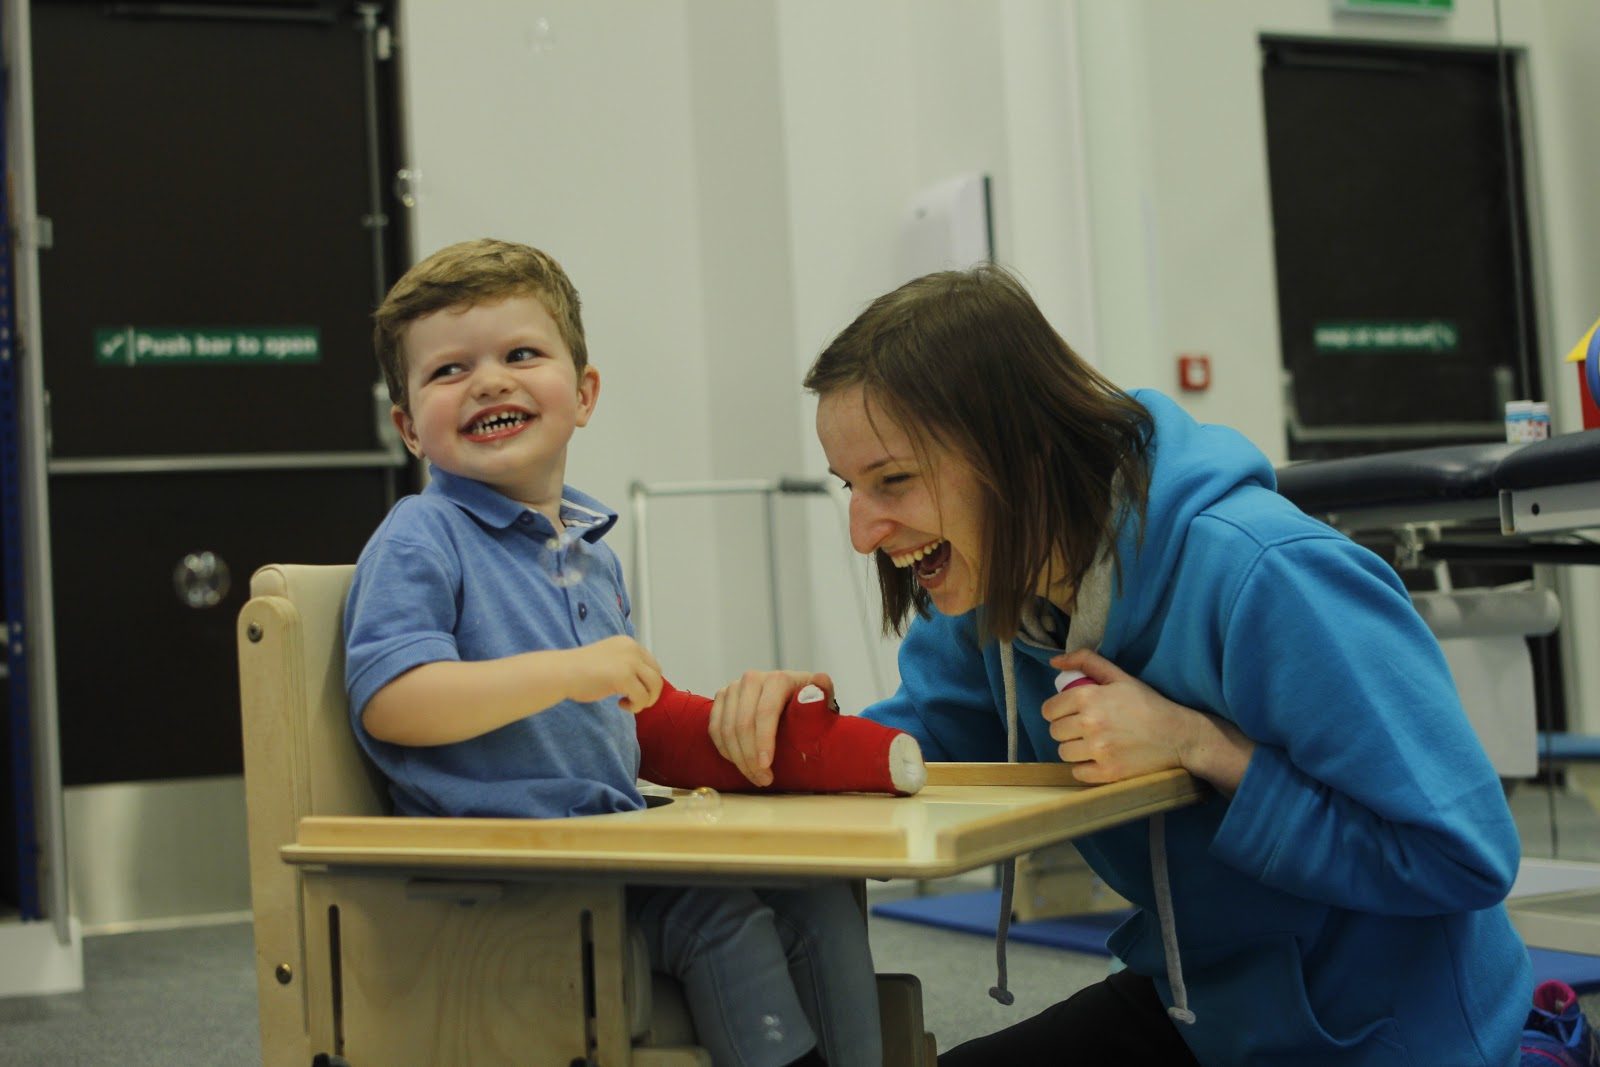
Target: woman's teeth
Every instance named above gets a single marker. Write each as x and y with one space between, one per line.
910 558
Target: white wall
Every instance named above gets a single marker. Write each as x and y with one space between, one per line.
912 94
1182 225
1177 157
726 181
568 126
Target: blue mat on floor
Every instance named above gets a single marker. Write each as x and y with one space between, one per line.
975 913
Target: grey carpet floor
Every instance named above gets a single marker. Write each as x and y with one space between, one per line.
160 997
187 995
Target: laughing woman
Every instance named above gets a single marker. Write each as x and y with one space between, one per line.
1338 898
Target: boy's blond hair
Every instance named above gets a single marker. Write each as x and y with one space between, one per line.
469 273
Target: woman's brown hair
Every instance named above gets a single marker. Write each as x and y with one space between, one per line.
966 360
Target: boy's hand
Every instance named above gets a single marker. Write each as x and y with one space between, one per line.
744 718
618 665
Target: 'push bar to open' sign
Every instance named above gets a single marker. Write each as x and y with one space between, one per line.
143 346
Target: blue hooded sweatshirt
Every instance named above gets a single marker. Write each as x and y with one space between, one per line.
1346 905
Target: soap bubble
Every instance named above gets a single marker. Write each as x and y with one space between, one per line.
567 564
540 36
774 1027
705 804
201 579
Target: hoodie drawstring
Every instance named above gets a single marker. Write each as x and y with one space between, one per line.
1179 1012
1008 870
1169 930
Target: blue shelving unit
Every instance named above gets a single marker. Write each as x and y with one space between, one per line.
11 564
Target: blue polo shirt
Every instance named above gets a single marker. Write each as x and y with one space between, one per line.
461 572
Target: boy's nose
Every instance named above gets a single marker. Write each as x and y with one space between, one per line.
490 379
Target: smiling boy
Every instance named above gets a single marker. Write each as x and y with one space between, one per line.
491 665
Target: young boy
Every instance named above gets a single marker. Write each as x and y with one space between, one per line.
491 664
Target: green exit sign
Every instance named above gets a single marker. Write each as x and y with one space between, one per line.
1397 7
151 346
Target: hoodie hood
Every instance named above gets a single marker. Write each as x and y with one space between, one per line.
1192 467
1180 489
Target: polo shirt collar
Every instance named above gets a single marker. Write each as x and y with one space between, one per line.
493 508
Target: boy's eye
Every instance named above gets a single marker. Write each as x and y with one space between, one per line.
520 355
445 370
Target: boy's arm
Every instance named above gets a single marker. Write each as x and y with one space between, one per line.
452 700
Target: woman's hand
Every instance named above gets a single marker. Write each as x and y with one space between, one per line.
1122 728
744 718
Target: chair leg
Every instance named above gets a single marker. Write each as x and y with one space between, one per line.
905 1041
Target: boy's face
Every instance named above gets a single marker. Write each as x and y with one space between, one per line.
495 396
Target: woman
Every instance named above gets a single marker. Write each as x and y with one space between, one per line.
1338 898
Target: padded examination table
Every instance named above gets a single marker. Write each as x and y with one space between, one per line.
1524 496
1507 503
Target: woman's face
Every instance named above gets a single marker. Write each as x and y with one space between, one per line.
924 515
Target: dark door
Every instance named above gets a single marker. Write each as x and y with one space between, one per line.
217 246
1399 236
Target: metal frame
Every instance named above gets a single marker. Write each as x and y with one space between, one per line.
16 637
639 494
32 479
257 461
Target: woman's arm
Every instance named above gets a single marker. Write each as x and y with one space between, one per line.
1368 788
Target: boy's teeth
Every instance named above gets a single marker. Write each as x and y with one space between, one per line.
496 421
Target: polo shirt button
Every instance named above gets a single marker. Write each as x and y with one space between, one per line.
583 611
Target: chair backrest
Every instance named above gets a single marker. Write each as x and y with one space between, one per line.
300 757
302 626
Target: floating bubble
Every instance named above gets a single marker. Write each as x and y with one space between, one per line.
774 1027
704 804
408 190
201 579
540 36
568 561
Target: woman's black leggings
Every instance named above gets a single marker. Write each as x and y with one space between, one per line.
1120 1020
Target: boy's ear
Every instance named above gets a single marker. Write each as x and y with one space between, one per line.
408 431
588 394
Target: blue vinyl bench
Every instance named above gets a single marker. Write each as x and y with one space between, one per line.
1560 747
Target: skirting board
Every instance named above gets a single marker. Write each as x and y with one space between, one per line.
34 962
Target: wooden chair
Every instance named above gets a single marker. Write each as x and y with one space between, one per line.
396 967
